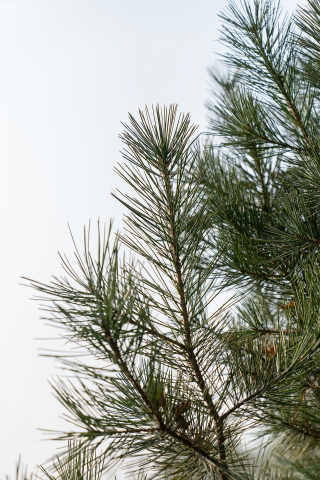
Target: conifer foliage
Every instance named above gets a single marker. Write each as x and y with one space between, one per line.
174 383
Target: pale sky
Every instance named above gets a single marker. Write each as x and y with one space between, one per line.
70 72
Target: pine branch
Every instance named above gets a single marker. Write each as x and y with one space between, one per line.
189 346
157 415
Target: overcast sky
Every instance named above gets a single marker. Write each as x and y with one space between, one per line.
70 71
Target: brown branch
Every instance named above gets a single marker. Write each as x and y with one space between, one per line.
124 368
299 428
255 394
126 431
185 316
309 240
273 142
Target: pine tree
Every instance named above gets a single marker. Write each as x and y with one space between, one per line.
175 384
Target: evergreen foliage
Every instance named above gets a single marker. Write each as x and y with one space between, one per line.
169 384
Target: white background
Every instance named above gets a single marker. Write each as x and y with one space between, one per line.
70 71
